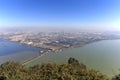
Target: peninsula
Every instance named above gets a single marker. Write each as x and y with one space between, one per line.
57 41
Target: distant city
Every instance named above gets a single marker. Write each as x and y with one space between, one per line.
57 41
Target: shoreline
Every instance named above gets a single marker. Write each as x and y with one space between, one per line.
59 50
109 73
46 51
35 58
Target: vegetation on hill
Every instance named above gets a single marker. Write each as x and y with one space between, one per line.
116 77
73 70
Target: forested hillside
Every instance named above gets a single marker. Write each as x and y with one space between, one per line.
72 70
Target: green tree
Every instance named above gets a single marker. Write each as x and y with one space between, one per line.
73 70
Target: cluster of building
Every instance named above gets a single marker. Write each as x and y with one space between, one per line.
57 40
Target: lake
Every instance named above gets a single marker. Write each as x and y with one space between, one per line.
16 52
103 56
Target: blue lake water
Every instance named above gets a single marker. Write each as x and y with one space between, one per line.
13 51
8 47
103 56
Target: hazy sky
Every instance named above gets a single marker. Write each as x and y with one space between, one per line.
78 13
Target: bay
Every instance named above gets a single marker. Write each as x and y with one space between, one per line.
13 51
103 56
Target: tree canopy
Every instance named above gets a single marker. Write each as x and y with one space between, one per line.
73 70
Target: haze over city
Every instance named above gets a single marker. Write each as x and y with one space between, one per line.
59 39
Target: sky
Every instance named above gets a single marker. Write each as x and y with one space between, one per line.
95 14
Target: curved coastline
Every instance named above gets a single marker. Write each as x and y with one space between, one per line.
57 50
47 51
98 55
13 51
40 58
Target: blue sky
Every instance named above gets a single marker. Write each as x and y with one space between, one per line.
87 13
